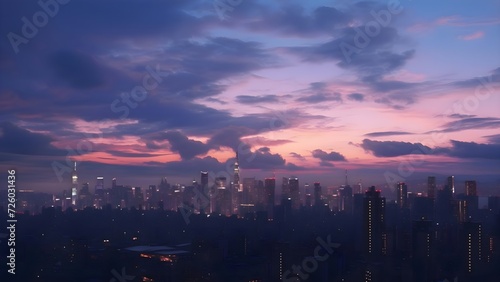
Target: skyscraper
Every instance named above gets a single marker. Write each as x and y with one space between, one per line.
431 187
293 185
494 203
269 187
402 195
308 197
285 188
374 237
249 191
99 192
359 188
471 247
451 184
237 188
236 177
84 197
422 208
74 186
317 194
345 199
152 196
470 188
471 199
204 179
445 206
165 193
423 250
222 196
99 185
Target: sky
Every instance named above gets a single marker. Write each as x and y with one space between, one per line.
139 90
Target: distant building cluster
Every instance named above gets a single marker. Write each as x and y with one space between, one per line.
418 234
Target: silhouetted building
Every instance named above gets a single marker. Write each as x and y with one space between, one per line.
308 196
204 179
249 191
431 187
374 236
85 198
358 188
470 188
317 194
422 208
345 198
293 186
74 186
269 187
402 195
285 188
468 203
471 245
153 197
450 183
222 196
445 206
167 191
423 251
236 188
99 199
494 203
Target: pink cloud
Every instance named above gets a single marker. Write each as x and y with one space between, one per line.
426 26
472 36
455 21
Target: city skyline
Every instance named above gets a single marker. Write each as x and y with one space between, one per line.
248 191
392 91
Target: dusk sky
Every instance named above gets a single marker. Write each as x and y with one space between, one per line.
141 90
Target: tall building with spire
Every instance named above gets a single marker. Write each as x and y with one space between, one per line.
74 186
236 175
345 200
237 187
